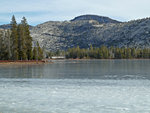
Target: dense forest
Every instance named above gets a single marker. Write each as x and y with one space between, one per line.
108 53
103 53
16 43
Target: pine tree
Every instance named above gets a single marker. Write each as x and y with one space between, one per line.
3 46
91 52
39 51
8 40
14 39
22 43
28 39
35 53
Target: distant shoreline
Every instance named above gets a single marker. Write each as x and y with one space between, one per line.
23 62
100 59
50 61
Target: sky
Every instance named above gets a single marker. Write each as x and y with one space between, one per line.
39 11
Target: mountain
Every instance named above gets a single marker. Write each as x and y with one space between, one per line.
8 26
87 30
100 19
5 26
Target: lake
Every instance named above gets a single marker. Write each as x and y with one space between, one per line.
76 86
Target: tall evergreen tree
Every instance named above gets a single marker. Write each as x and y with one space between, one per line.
8 40
1 41
14 39
28 38
35 57
3 46
22 43
39 51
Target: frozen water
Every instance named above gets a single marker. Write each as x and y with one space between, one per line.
74 96
90 86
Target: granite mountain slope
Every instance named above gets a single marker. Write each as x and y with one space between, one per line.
100 19
85 32
93 30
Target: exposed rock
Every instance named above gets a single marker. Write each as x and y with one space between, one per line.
87 30
100 19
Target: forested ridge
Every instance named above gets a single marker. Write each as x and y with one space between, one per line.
16 43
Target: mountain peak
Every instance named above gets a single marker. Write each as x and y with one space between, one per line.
100 19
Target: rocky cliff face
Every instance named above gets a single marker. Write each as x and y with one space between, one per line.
90 30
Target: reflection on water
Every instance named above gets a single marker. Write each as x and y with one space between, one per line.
74 69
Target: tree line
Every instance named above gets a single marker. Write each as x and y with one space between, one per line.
104 52
17 44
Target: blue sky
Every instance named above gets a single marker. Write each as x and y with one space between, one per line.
39 11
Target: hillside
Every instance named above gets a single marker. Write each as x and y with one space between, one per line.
100 19
8 26
5 26
93 30
63 35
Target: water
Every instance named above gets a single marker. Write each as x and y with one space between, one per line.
90 86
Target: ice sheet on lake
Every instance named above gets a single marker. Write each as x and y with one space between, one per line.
74 96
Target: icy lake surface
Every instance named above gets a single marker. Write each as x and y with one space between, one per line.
89 86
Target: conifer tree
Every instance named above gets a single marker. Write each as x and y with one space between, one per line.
14 39
39 51
22 43
28 39
8 40
3 46
34 53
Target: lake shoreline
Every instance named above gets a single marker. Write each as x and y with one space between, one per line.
6 62
99 59
49 61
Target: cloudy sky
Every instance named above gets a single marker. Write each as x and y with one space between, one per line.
38 11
